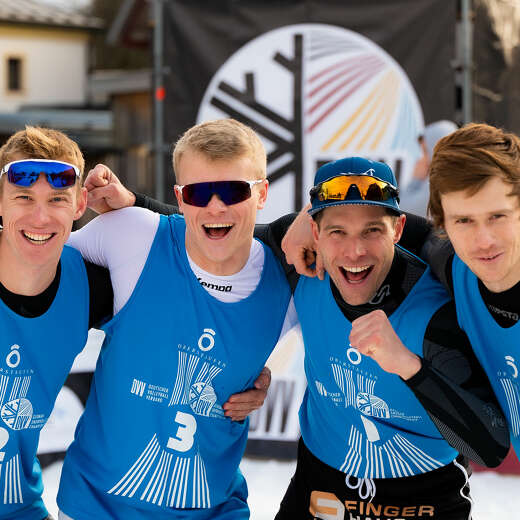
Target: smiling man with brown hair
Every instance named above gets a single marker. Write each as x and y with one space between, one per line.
475 201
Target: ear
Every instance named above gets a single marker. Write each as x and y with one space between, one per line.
399 227
81 203
178 196
315 230
262 194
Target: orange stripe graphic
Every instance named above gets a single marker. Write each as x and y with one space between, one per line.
388 99
359 110
389 112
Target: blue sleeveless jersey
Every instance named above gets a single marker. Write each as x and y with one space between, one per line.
356 417
497 348
36 355
153 441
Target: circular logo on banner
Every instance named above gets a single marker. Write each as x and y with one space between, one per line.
317 93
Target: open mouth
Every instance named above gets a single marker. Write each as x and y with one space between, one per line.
355 274
216 231
38 238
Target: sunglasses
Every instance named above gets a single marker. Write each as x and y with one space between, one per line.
369 188
26 172
230 192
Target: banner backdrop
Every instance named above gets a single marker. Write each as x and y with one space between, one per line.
317 79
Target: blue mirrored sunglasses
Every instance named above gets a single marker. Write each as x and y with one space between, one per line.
26 172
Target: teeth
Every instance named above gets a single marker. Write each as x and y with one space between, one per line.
217 225
356 269
37 237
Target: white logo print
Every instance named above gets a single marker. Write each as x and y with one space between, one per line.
354 356
396 456
510 360
208 338
178 479
138 387
16 412
512 394
371 405
13 358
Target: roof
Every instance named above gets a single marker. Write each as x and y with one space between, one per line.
34 13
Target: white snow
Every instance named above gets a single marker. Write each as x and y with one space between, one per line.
496 497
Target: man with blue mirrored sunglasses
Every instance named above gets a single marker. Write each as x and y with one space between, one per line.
44 301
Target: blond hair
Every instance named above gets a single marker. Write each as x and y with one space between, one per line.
221 140
41 143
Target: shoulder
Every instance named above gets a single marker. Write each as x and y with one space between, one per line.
130 218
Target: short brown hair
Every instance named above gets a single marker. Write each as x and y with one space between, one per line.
41 143
222 139
467 159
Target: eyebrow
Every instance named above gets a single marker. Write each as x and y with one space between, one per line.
466 215
367 224
28 190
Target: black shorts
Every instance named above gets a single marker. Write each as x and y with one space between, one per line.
320 491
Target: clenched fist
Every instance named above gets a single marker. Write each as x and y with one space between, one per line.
373 335
105 191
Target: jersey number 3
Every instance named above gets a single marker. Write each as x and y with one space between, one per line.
183 440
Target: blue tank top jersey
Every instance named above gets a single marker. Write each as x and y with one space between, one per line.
36 355
153 440
356 417
497 348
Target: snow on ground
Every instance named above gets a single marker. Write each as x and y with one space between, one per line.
496 497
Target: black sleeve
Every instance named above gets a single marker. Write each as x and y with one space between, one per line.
455 391
143 201
438 252
415 233
272 235
101 294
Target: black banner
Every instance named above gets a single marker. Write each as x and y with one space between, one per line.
220 56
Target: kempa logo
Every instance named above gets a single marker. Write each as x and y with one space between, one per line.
214 287
317 93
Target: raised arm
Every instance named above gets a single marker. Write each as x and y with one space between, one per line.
447 379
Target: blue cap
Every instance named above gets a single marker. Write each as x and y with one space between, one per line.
355 166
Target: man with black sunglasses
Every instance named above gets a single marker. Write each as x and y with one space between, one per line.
154 441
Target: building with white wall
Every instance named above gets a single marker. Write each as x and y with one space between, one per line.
44 55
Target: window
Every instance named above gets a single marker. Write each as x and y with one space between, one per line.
14 74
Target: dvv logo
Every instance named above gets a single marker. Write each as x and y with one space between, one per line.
317 93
